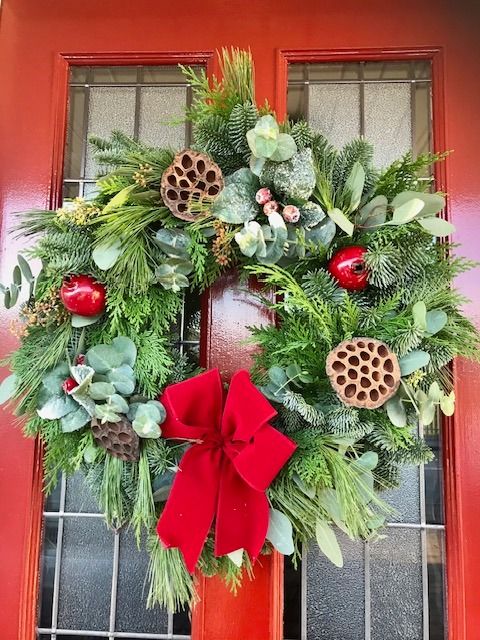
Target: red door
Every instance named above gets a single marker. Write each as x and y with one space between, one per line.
40 41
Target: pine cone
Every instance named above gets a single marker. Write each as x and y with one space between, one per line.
190 177
118 438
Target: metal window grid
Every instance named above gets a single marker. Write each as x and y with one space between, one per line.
183 344
423 526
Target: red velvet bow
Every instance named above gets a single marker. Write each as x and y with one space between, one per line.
226 472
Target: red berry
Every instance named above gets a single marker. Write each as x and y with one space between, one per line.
270 207
263 196
80 359
83 295
291 213
69 385
349 269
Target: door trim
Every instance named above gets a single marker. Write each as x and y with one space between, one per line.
451 441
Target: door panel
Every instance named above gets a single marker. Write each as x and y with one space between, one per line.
36 41
394 588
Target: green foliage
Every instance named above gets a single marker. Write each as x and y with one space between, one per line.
407 174
171 586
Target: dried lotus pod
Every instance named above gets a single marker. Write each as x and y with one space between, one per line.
191 176
363 372
118 438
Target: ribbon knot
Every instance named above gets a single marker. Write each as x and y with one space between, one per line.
223 476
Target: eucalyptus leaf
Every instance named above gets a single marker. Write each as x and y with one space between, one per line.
447 404
173 242
126 348
17 276
90 454
396 411
123 379
419 312
437 226
427 411
84 321
433 203
248 238
407 211
368 460
322 234
101 390
118 404
75 420
435 321
13 291
8 388
373 213
435 393
25 268
412 361
235 204
103 358
353 188
280 532
56 407
278 376
285 149
341 220
328 499
327 543
106 413
55 378
105 255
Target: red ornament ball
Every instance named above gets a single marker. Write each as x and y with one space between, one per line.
83 296
348 267
69 385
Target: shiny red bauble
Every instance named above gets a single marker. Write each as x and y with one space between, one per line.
348 267
69 385
83 296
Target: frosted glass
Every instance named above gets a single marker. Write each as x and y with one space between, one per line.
160 107
132 589
110 108
334 110
86 575
335 597
405 499
78 497
396 586
388 120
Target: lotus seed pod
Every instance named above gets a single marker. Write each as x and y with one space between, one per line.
118 438
363 372
191 177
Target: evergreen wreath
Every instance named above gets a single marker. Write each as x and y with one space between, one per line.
368 321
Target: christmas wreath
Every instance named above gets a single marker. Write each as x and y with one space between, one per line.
368 323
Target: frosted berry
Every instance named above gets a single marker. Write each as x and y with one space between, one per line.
291 213
80 359
263 196
270 207
69 385
348 267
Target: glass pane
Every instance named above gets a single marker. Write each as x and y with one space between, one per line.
388 113
78 497
162 111
436 583
396 586
293 600
132 613
49 551
109 108
335 597
334 110
86 575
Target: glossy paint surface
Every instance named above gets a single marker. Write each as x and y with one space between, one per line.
36 41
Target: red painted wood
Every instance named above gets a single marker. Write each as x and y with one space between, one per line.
33 35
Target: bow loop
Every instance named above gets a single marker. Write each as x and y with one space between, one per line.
224 474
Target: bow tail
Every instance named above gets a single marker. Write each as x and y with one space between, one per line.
190 508
242 515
